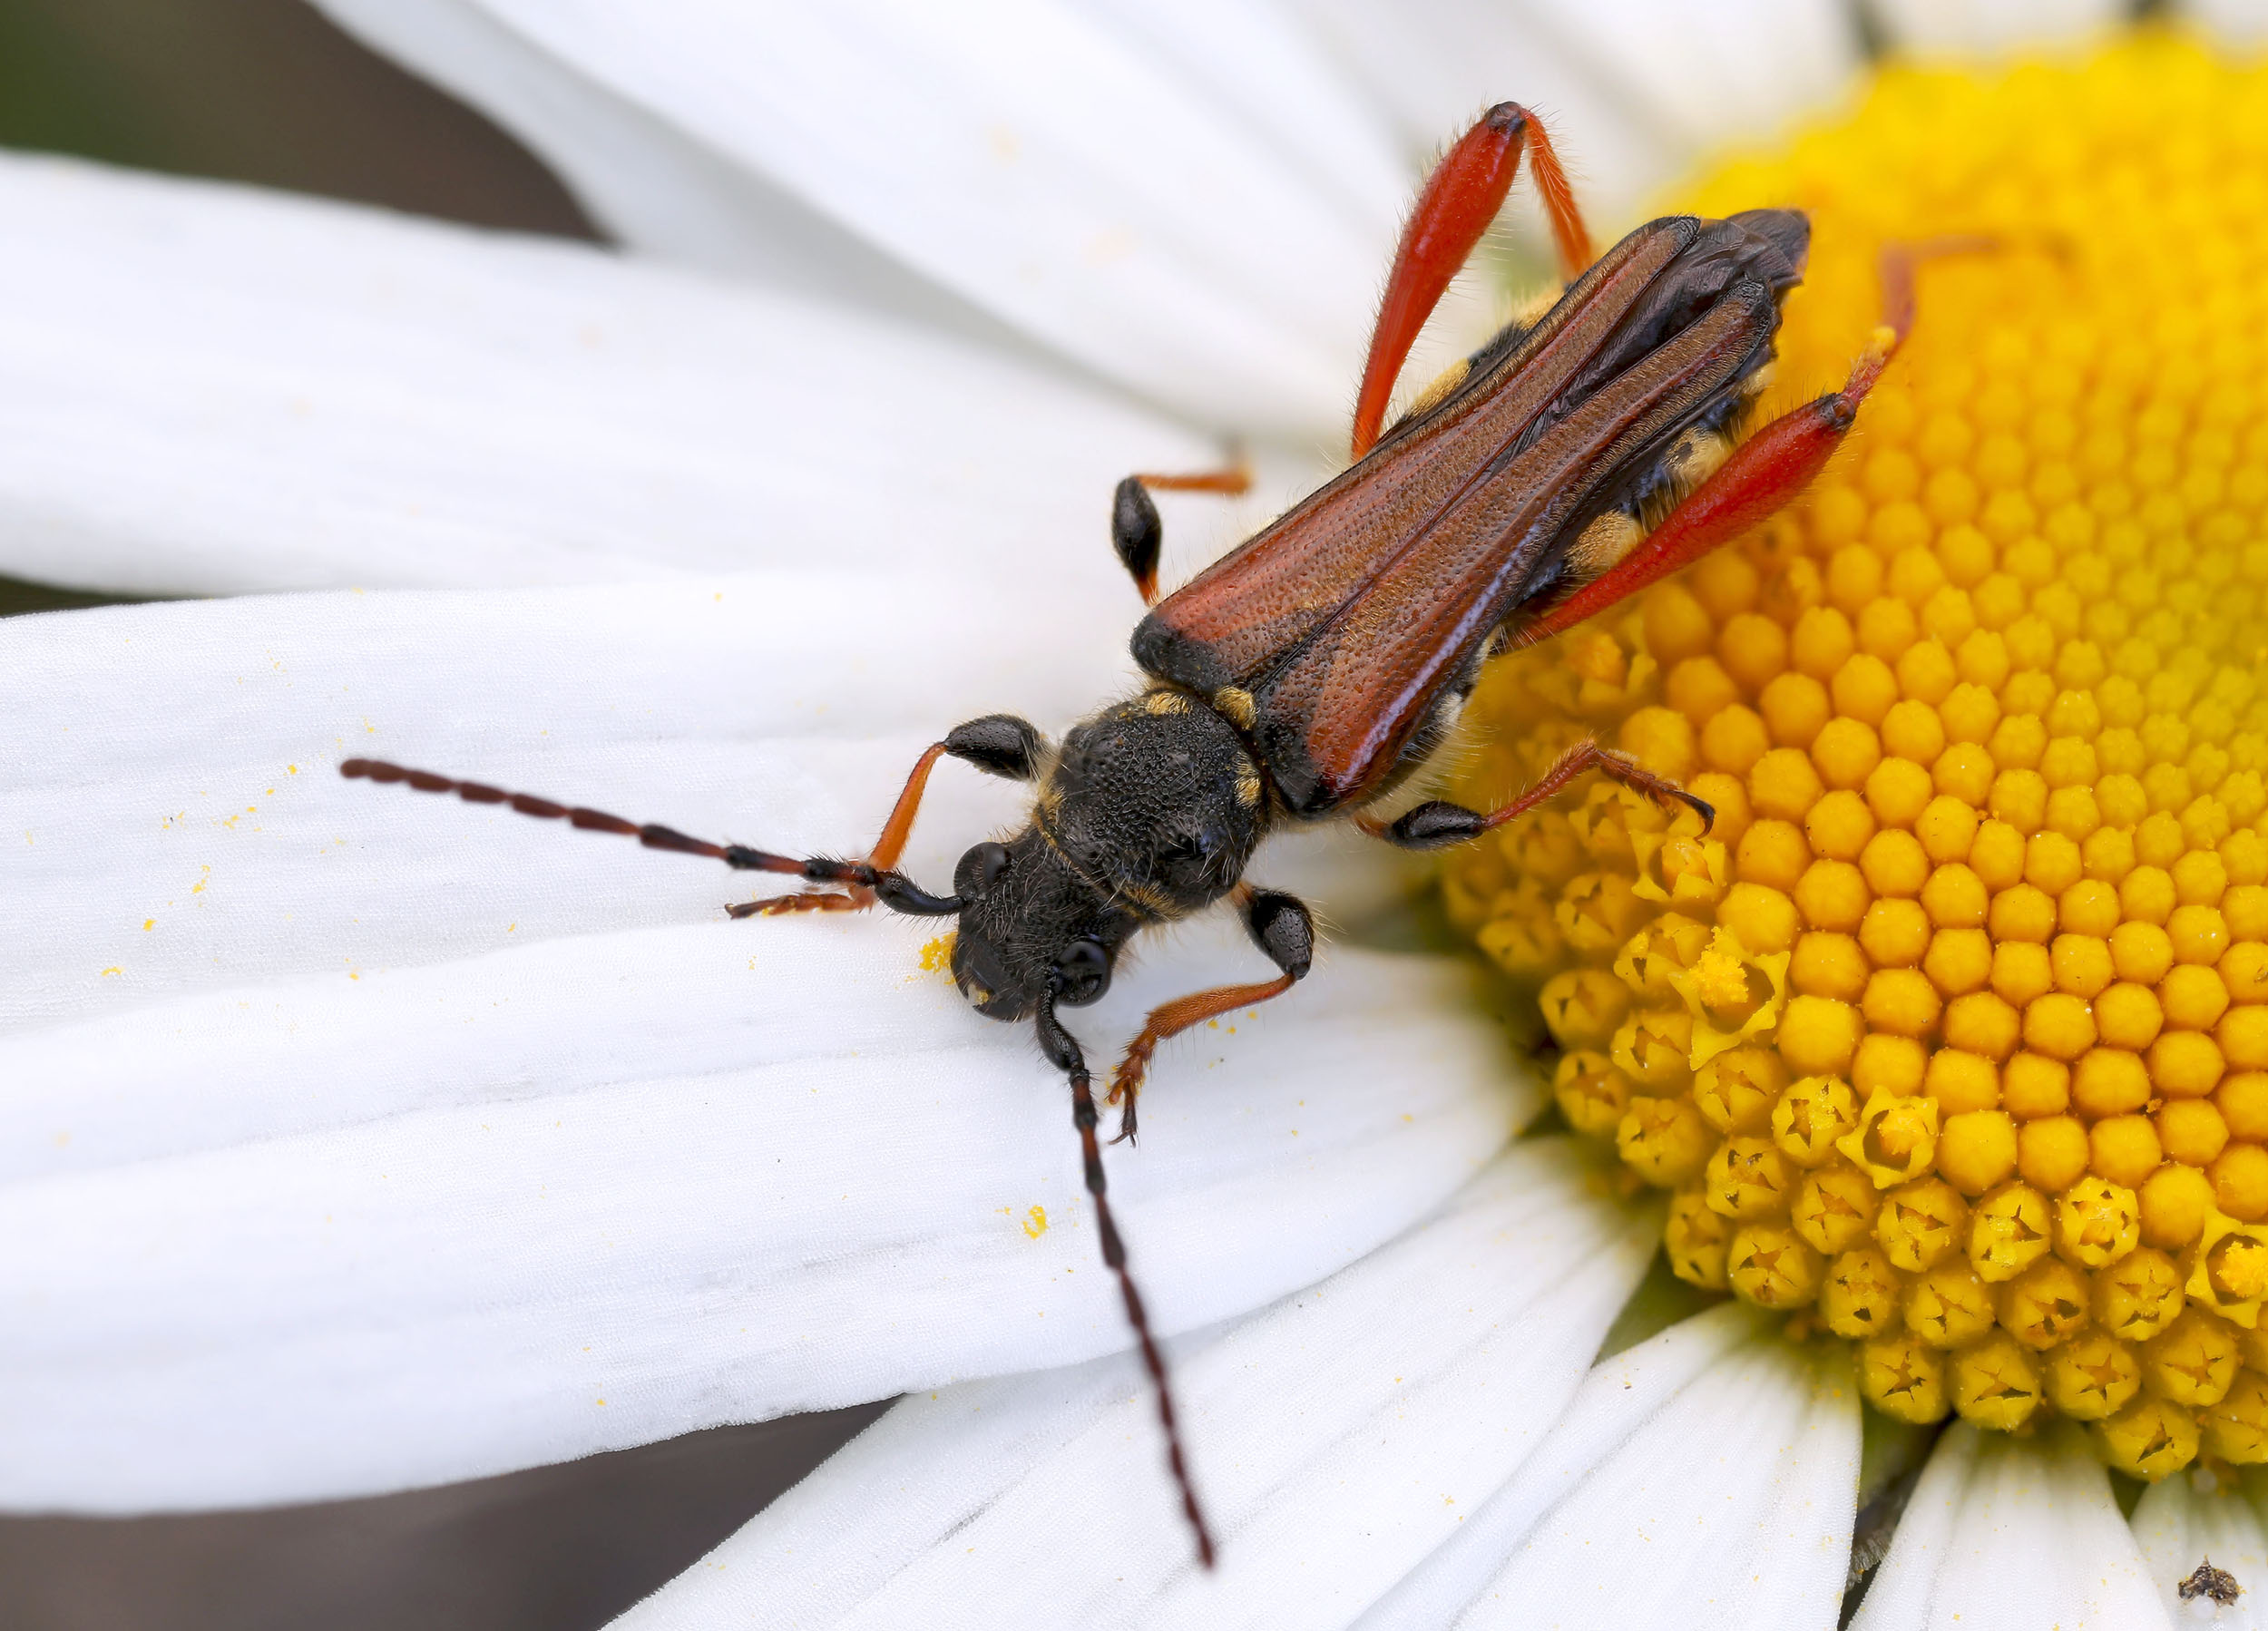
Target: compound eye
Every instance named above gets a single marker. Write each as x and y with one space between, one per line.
1082 974
978 870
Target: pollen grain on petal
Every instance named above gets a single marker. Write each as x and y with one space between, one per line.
1950 1034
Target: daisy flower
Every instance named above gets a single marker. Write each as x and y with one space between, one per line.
355 1148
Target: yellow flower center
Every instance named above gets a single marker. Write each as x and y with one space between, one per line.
1954 1034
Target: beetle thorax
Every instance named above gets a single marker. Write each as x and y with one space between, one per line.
1149 812
1156 802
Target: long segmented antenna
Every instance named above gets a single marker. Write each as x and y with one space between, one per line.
1064 1052
892 889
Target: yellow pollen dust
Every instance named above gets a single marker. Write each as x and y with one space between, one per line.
1952 1036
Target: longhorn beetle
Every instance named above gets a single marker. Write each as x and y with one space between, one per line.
1571 461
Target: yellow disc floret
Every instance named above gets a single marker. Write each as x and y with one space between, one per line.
1952 1032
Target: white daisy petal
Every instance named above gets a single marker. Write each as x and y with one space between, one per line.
648 184
1705 75
907 1485
1631 86
2007 1531
1737 1530
1050 166
1433 63
2235 20
586 1193
1263 67
1648 1377
205 388
171 784
1336 1438
1986 25
2188 1520
257 1181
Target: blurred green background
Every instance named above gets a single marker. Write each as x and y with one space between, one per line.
269 91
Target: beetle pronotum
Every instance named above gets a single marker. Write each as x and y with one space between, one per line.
1569 462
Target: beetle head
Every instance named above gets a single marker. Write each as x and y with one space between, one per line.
1029 924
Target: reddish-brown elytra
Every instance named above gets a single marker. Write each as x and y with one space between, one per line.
1310 672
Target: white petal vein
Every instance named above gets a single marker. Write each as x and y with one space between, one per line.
208 389
1338 1436
548 1201
2008 1531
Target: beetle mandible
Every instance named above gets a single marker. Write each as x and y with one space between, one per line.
1306 676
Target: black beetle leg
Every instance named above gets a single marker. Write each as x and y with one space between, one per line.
1136 533
1281 927
998 744
1437 824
